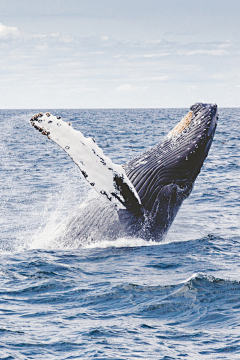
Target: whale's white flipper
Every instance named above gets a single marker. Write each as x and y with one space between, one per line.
107 178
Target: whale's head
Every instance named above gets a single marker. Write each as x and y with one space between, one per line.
164 176
189 143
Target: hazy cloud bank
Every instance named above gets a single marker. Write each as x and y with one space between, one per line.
120 54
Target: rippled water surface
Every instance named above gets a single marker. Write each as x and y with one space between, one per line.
128 299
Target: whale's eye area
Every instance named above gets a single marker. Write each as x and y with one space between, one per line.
178 129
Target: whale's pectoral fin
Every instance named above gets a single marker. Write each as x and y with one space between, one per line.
107 178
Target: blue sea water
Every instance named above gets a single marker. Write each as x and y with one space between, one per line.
127 299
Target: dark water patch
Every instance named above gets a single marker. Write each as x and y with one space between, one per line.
2 330
145 326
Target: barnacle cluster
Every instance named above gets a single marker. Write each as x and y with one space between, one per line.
182 124
35 123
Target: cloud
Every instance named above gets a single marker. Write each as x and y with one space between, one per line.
8 31
130 88
43 36
42 47
153 78
55 66
191 87
214 52
149 55
154 41
104 38
217 76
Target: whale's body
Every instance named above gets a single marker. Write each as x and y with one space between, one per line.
143 198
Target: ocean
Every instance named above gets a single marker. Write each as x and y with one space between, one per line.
123 299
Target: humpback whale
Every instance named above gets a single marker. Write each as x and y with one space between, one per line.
142 197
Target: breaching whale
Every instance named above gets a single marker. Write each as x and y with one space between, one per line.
141 198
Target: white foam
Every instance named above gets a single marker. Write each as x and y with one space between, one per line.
121 242
192 277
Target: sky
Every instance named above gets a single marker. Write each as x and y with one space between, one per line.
119 53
